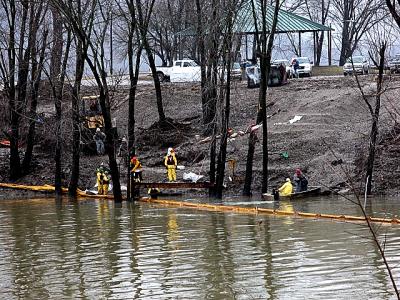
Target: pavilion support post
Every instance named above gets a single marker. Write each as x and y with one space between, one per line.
254 54
299 43
315 46
329 47
247 50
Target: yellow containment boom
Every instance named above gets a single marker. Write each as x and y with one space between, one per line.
213 207
266 211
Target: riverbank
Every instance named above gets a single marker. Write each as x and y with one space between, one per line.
321 123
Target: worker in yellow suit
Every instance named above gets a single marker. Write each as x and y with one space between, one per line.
99 181
286 189
170 163
106 182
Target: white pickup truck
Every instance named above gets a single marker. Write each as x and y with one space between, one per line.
183 70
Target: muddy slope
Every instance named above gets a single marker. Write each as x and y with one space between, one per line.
328 142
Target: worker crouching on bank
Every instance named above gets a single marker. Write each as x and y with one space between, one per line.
170 163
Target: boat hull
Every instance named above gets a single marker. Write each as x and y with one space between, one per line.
311 192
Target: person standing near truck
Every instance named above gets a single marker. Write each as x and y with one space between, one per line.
295 67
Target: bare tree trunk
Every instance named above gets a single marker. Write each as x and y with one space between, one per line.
213 154
143 27
224 135
133 76
209 86
266 65
375 120
36 74
58 97
265 51
17 98
76 135
202 54
249 165
227 62
345 50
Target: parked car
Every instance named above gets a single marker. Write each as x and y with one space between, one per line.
253 74
394 64
236 71
277 76
184 70
305 66
360 64
285 63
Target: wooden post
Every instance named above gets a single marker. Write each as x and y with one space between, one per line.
299 43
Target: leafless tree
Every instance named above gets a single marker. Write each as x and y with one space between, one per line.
93 37
80 54
318 11
265 39
59 63
378 38
227 57
37 65
354 18
20 29
144 13
166 23
394 9
374 230
129 15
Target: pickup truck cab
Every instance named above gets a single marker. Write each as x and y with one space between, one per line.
305 66
183 70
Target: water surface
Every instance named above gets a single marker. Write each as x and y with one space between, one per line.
97 250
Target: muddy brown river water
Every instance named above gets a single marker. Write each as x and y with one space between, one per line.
97 250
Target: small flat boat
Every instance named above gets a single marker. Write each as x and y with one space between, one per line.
311 192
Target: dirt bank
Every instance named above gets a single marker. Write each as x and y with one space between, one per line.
328 141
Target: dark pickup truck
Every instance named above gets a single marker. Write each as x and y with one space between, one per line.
394 64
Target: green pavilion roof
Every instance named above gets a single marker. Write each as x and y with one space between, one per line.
287 21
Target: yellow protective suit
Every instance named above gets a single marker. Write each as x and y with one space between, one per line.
103 180
106 182
170 163
99 181
286 189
